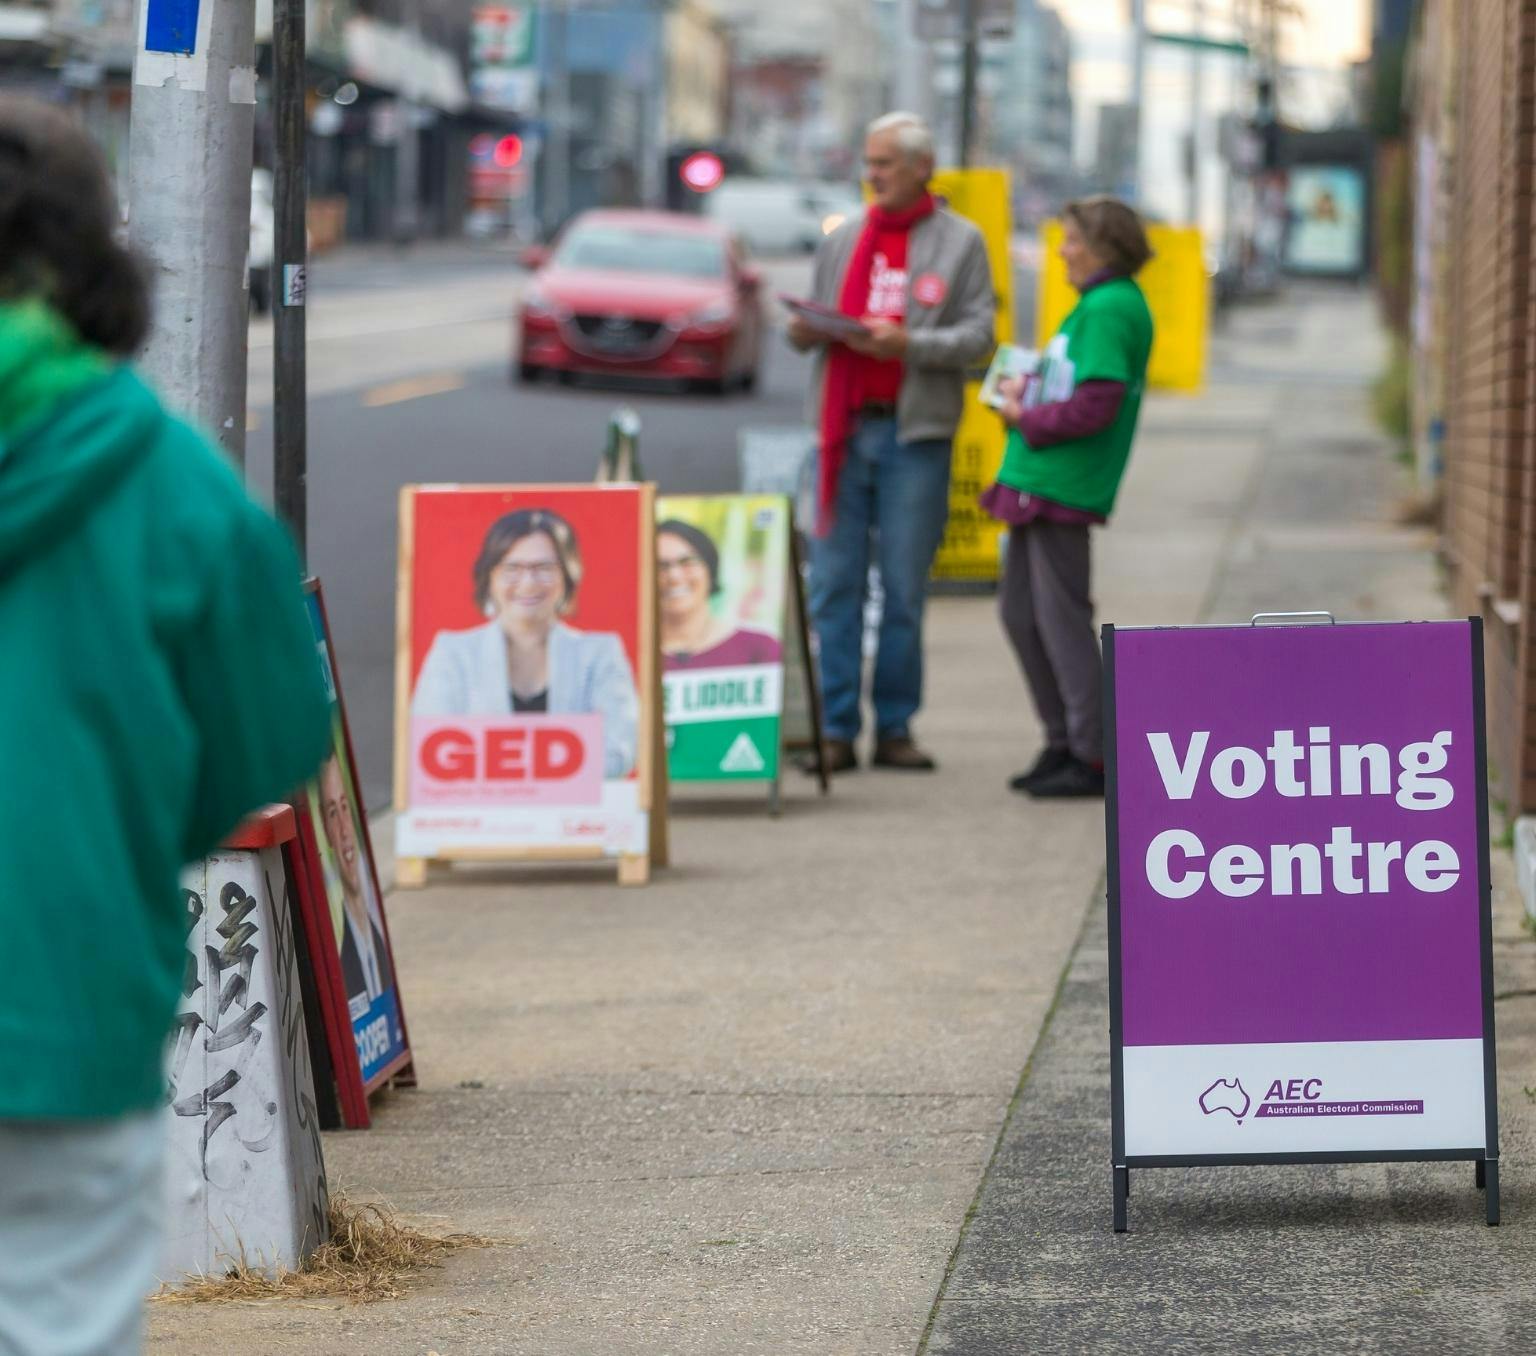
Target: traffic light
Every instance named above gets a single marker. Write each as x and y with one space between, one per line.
509 151
702 171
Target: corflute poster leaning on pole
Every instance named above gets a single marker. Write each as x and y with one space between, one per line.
1300 928
342 909
526 688
722 567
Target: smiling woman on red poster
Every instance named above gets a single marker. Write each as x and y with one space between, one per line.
525 659
523 726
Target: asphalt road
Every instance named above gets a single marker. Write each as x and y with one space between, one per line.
409 356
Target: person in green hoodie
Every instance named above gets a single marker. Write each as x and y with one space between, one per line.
158 681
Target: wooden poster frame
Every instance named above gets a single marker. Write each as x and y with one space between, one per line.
320 940
634 868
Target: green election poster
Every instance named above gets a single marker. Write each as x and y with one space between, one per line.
722 567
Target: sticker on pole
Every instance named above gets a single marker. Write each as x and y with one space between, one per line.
1300 927
172 47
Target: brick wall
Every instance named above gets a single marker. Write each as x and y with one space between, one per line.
1488 74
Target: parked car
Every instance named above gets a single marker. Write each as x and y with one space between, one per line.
780 216
646 294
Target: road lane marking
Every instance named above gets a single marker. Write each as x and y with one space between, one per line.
413 388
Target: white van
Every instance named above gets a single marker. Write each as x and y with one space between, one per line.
778 216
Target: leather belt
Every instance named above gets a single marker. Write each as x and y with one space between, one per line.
877 409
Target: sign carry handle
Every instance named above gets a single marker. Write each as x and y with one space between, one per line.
1267 618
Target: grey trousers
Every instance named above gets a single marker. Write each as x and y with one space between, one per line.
1047 612
80 1224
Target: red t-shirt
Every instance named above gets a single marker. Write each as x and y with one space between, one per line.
881 380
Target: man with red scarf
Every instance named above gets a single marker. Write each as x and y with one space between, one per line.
886 402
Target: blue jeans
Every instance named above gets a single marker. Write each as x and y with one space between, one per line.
892 502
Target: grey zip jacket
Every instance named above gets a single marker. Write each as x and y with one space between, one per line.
944 340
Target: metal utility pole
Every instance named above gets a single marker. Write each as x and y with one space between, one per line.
1138 91
1196 110
557 146
914 83
290 447
653 135
189 200
969 61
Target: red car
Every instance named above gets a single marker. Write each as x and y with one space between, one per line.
644 294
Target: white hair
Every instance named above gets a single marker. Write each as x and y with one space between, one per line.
913 135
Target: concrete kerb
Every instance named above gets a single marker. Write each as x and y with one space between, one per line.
1013 1104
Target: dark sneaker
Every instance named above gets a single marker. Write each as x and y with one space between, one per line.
839 756
1076 778
900 752
1052 760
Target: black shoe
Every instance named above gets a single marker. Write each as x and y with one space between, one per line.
839 756
899 751
1075 779
1052 760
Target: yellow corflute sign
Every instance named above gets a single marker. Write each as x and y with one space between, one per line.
970 548
1177 291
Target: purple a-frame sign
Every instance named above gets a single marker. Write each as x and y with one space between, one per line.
1300 920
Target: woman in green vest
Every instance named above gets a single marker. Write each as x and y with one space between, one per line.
158 681
1070 426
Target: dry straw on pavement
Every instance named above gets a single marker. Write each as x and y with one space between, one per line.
369 1256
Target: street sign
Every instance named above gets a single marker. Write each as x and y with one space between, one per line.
944 20
1300 925
1226 46
502 70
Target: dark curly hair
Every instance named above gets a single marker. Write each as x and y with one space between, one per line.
58 228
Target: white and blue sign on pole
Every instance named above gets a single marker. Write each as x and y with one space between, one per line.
171 26
173 46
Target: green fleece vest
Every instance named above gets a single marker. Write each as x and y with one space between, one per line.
158 680
1107 337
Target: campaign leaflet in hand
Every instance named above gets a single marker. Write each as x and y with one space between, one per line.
1010 360
824 319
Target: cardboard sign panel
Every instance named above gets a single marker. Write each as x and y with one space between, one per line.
1300 923
526 658
722 565
970 552
340 894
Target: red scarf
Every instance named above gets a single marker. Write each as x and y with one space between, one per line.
841 394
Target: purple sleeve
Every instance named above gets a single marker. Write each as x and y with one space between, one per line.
1090 409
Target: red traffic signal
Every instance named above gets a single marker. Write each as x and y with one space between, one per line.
702 171
509 150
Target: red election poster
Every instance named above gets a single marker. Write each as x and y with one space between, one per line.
526 655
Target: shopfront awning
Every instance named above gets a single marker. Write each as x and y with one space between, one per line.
394 59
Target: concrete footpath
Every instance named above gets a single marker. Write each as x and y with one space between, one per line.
773 1102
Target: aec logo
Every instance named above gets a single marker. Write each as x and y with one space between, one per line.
1226 1094
1229 1095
